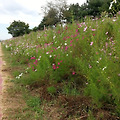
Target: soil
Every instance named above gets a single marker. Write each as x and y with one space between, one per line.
9 103
3 77
1 82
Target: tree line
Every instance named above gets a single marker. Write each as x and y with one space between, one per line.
58 12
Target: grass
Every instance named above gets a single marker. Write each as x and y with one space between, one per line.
80 59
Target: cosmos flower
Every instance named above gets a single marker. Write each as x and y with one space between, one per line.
91 43
111 4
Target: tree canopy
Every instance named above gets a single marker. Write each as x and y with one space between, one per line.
18 28
57 11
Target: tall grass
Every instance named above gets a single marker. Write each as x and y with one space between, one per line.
86 54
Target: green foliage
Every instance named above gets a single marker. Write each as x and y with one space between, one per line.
33 102
53 13
35 29
59 11
114 7
18 28
90 117
52 17
86 54
51 90
70 89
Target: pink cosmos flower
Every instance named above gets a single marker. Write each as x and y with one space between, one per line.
91 43
93 29
85 28
106 33
54 67
80 26
62 47
70 45
76 30
61 61
58 63
96 53
90 66
68 37
66 48
106 44
75 35
73 73
71 41
32 58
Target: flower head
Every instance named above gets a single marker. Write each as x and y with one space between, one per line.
73 73
91 43
114 1
85 28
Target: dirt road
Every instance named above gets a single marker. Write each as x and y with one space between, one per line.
1 81
2 78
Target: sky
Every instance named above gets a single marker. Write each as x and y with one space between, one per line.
28 11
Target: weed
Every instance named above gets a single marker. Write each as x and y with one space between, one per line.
52 90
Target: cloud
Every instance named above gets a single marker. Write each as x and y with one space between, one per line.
13 7
28 11
12 10
3 32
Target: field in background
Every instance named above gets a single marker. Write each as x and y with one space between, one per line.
70 72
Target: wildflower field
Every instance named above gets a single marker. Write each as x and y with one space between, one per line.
77 65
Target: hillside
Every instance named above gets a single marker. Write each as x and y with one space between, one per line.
70 72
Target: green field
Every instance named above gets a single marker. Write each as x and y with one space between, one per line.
75 70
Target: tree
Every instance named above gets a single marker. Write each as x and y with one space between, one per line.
18 28
52 17
54 12
35 29
42 24
96 7
72 13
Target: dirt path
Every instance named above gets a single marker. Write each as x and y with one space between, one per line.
3 77
1 81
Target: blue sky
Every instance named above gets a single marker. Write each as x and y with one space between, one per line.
28 11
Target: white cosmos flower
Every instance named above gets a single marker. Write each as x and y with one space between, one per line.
114 1
65 43
6 46
104 68
20 74
97 61
110 6
54 37
58 47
